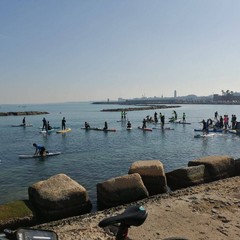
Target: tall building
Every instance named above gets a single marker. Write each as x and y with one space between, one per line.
175 93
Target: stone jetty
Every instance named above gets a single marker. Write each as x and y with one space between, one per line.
26 113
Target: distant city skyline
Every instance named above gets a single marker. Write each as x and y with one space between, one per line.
69 51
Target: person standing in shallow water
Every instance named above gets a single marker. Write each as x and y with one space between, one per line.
63 123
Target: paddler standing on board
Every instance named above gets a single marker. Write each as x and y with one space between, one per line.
184 117
24 121
63 123
105 126
144 123
44 124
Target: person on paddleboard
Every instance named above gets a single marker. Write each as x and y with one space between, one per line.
129 125
162 120
63 123
205 127
105 126
24 121
44 124
184 117
49 127
87 125
144 123
39 150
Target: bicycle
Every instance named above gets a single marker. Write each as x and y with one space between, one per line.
132 216
28 234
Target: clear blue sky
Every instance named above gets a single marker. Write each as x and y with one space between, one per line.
80 50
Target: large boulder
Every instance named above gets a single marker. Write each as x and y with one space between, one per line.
152 174
185 177
237 166
120 190
217 167
59 197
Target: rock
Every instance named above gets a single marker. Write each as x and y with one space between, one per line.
3 114
59 197
152 174
237 165
217 167
186 177
120 190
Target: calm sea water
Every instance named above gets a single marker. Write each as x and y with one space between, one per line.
90 157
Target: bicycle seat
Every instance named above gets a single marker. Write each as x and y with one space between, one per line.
132 216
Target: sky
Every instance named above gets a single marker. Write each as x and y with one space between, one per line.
93 50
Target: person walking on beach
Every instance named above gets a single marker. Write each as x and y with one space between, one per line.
63 123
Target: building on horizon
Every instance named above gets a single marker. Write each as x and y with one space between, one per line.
175 93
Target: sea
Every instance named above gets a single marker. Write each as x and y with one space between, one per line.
92 157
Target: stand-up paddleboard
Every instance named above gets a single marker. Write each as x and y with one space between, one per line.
145 129
22 125
171 120
64 131
100 129
209 130
48 131
181 122
204 135
233 131
129 128
163 128
24 156
90 128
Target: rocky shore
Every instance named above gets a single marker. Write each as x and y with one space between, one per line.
206 211
4 114
152 107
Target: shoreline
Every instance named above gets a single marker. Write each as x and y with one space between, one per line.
206 211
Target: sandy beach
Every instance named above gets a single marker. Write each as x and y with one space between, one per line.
208 211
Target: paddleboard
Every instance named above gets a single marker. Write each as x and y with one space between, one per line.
129 128
180 122
209 130
100 129
49 131
233 131
145 129
24 156
163 128
64 131
22 125
204 135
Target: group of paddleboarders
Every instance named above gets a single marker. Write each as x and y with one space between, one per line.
219 123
